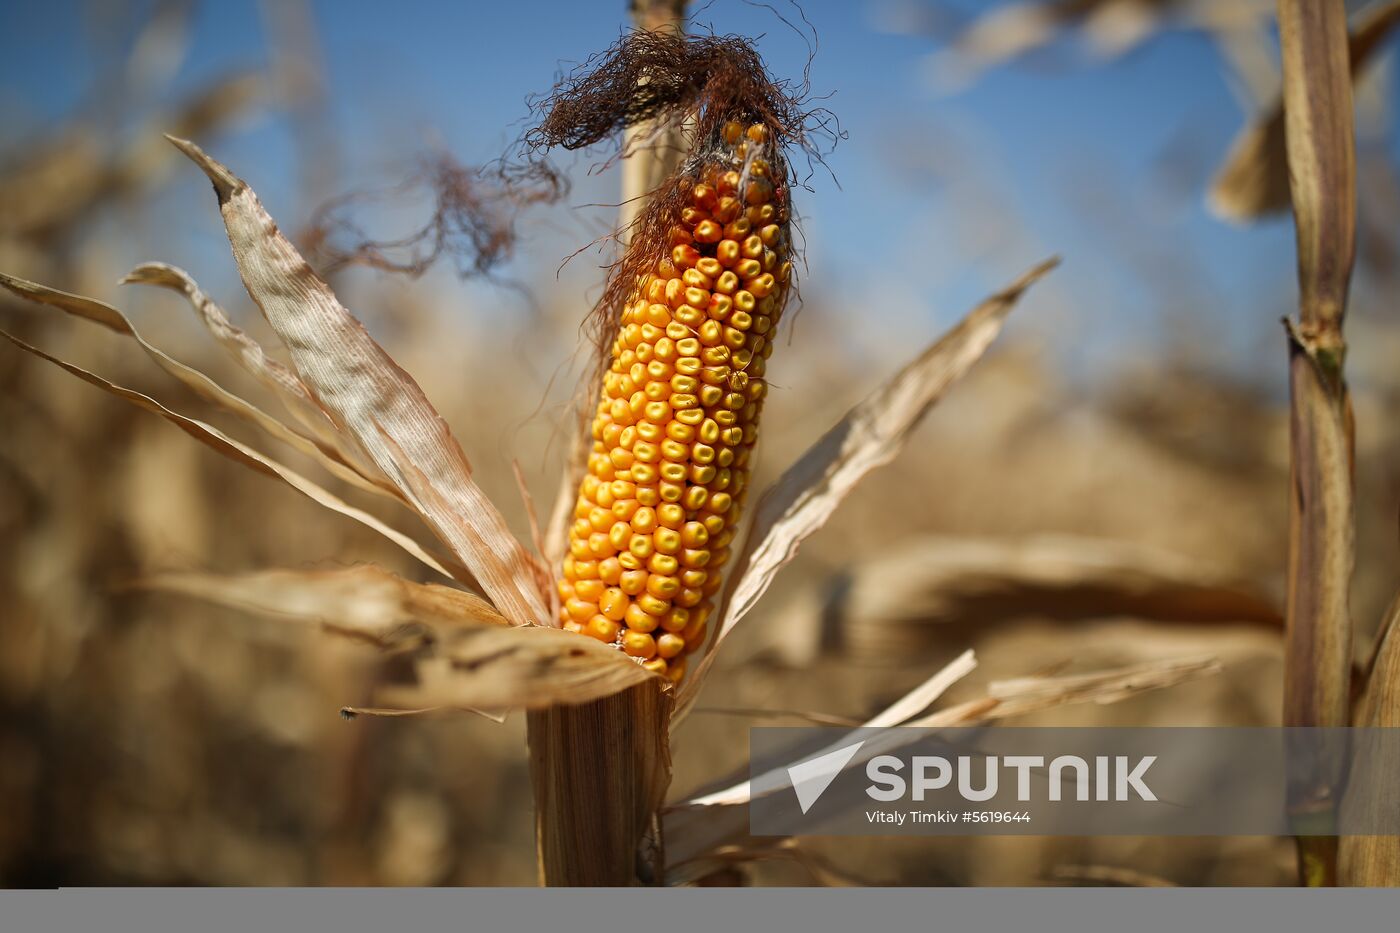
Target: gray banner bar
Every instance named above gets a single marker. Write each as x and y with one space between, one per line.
701 910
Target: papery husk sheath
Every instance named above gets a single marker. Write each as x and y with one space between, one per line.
599 772
1374 861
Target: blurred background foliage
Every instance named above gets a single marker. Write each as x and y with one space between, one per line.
1108 487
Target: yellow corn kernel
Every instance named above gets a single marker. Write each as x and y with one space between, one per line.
675 670
663 566
639 644
605 629
589 591
639 620
613 604
653 606
707 231
580 611
667 646
676 620
633 582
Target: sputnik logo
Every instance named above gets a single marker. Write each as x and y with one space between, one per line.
811 778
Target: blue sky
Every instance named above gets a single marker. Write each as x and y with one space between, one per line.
941 197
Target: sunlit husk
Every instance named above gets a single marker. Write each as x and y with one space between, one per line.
372 399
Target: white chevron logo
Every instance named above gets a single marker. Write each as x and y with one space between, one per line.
811 778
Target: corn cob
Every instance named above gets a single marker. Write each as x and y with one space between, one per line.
676 422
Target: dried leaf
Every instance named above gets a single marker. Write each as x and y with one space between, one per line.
351 712
695 830
939 588
364 601
901 711
1380 679
924 695
1253 182
285 384
525 666
1374 861
869 436
467 655
206 388
372 398
1254 179
543 577
213 437
1028 694
556 533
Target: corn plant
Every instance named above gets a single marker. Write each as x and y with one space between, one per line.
645 570
1319 688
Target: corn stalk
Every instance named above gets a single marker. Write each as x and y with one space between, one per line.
654 146
1322 170
600 770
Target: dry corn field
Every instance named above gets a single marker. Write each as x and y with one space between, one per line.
322 565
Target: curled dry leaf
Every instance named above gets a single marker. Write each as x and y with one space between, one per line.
869 436
1253 182
241 453
697 828
372 398
206 388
